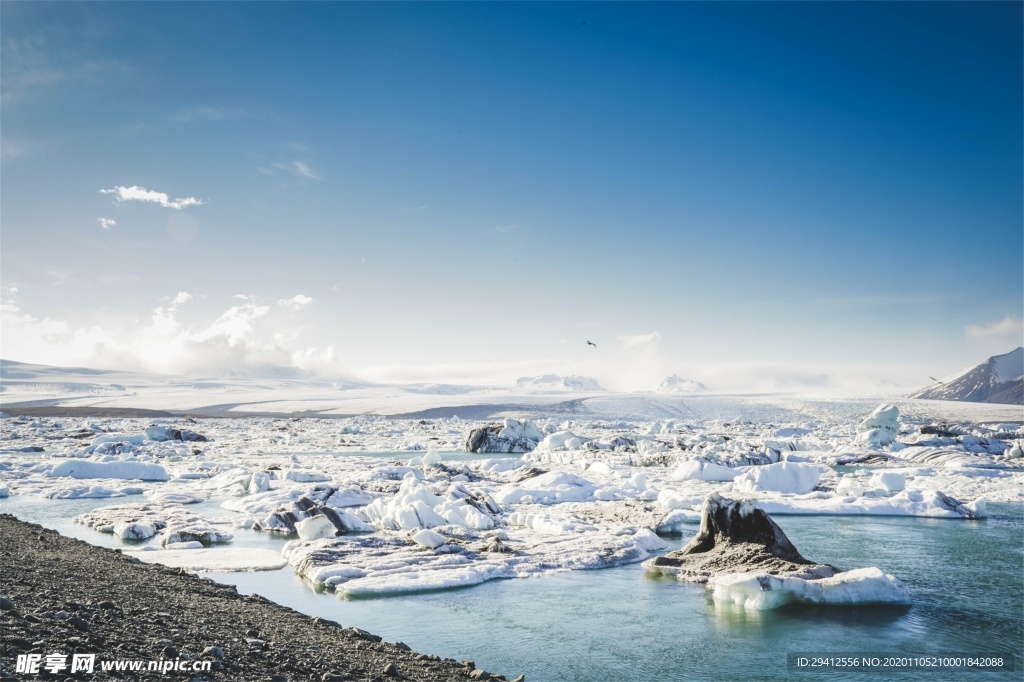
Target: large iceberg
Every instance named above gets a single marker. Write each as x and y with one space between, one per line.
880 427
513 435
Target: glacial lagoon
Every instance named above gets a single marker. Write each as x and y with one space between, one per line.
965 578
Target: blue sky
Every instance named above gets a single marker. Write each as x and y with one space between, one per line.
785 193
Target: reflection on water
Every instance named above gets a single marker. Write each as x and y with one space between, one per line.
965 581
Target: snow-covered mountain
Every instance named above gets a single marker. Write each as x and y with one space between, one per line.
1000 379
554 382
676 384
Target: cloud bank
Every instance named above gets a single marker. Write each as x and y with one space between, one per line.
246 339
1007 325
256 337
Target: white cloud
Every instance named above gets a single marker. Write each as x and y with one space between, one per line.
297 302
645 343
136 193
107 223
1007 325
299 168
304 170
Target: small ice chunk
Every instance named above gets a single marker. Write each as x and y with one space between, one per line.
316 527
162 433
135 531
849 486
560 440
306 476
783 477
429 539
890 481
699 470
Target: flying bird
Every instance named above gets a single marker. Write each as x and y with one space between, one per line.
591 343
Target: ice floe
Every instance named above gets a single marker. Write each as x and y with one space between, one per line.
394 563
83 468
215 560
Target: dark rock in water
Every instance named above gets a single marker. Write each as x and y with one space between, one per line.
737 537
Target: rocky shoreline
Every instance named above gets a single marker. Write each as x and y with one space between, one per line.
63 596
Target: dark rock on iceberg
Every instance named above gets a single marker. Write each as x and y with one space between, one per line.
737 537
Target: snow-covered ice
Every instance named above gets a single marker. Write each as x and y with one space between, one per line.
762 591
215 560
82 468
783 477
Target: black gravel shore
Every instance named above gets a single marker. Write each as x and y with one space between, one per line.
59 595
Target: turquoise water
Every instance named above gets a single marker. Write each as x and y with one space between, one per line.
966 580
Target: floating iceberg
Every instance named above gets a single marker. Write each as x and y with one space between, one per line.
747 560
762 591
